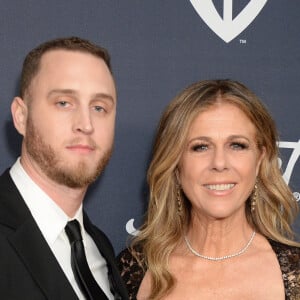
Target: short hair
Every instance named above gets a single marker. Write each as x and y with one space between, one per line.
32 60
164 226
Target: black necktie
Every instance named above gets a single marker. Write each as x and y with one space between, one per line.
81 270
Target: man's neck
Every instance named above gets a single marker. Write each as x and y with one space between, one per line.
68 199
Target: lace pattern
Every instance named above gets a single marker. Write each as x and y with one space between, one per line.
289 261
131 271
288 258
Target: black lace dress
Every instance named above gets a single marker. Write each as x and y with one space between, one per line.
288 258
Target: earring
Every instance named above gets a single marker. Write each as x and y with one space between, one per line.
254 197
179 200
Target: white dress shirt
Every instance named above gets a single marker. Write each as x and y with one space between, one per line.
51 220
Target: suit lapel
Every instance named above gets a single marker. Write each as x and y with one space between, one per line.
30 245
40 262
35 253
105 248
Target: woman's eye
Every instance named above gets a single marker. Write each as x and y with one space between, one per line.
238 146
200 147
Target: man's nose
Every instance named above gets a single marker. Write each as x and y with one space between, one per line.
83 121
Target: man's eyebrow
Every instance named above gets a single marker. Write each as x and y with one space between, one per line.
104 96
62 91
74 92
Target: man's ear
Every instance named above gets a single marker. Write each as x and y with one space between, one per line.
19 112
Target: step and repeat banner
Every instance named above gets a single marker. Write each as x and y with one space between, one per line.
158 47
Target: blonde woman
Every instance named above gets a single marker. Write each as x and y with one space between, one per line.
218 225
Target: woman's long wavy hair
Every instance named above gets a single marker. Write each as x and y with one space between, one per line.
164 227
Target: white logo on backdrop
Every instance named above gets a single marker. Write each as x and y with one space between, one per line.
292 162
227 28
286 175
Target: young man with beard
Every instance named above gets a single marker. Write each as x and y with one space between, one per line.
66 115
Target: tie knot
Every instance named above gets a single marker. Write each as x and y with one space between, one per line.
72 230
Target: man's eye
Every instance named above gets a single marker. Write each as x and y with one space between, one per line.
62 103
99 108
200 147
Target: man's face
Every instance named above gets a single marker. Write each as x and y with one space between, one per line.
70 120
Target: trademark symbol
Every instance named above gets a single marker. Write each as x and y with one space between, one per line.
243 41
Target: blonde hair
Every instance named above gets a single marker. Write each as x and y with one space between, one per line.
164 227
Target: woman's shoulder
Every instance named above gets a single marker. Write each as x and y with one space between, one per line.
288 256
289 261
131 254
288 251
131 265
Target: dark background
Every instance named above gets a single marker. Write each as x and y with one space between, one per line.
158 47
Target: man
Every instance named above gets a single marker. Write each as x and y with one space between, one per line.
66 115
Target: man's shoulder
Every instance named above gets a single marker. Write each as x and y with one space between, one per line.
13 209
5 177
7 185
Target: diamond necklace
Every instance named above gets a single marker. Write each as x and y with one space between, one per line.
221 257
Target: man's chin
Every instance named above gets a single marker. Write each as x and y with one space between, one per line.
78 176
75 179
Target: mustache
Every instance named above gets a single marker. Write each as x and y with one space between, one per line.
79 141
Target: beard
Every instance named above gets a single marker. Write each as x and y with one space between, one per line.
55 168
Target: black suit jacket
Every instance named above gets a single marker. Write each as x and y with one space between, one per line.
28 268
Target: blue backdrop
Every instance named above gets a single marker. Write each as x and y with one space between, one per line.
157 48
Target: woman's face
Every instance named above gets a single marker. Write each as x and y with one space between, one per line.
219 165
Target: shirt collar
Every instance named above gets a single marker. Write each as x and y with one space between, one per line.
50 218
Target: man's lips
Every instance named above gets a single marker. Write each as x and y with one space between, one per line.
81 148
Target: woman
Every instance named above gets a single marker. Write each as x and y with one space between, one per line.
219 215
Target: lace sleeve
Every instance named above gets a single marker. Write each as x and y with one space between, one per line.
131 271
289 261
